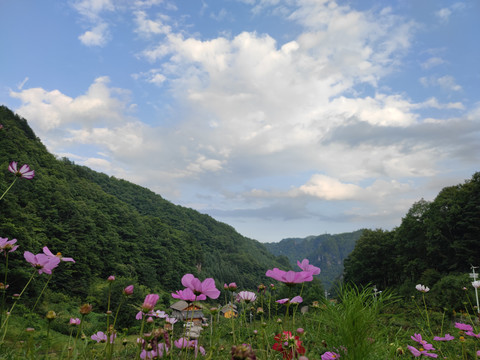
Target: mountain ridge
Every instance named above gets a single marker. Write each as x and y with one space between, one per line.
325 251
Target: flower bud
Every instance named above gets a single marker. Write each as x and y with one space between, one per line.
128 290
51 315
111 278
86 309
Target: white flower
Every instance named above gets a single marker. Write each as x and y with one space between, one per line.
476 284
422 288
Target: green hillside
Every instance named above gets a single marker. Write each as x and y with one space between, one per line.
110 226
324 251
436 244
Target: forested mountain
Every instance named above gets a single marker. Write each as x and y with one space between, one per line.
436 244
324 251
110 226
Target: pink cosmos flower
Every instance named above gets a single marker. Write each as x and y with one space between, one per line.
170 320
464 327
205 287
149 302
7 245
160 314
128 290
188 295
47 252
246 296
289 277
471 333
305 266
422 288
75 321
102 337
42 262
476 284
191 344
24 172
296 300
447 337
425 345
111 278
329 355
415 352
154 353
283 301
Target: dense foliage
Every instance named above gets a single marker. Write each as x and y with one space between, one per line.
324 251
436 243
110 226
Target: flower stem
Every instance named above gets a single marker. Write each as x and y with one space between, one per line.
39 296
13 307
137 356
13 182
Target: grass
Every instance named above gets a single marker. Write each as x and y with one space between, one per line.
355 326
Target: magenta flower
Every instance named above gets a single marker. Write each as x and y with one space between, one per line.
102 337
47 252
111 278
471 333
464 327
7 245
246 296
128 290
187 295
154 353
205 287
289 277
295 300
42 262
149 302
24 172
191 344
329 355
447 337
425 345
415 352
305 266
75 321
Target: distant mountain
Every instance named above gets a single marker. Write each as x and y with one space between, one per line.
325 251
111 226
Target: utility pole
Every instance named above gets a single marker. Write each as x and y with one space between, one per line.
474 275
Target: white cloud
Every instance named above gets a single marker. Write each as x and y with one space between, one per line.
443 14
51 110
97 36
147 27
328 188
446 82
432 62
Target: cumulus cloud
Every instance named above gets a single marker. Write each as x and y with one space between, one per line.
287 117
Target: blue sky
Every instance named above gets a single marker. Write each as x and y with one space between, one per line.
281 118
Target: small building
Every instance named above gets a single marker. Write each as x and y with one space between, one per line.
183 311
229 310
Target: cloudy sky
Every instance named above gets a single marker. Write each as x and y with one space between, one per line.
282 118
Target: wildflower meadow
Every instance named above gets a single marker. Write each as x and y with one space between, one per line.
209 321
